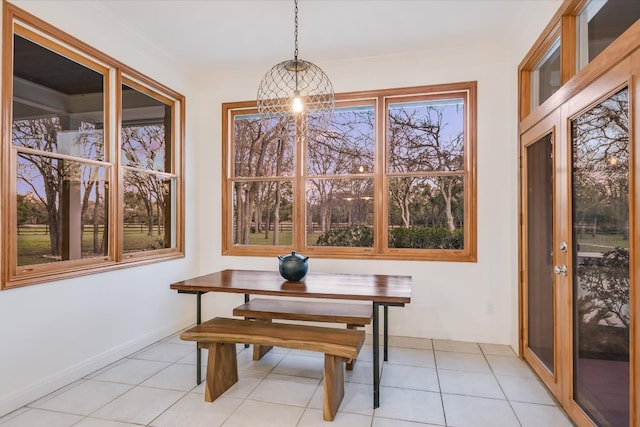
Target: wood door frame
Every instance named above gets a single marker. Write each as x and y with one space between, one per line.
618 63
559 122
550 125
609 83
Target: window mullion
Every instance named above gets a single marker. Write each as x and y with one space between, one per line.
299 221
114 120
381 214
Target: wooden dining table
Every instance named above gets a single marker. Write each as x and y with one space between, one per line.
379 289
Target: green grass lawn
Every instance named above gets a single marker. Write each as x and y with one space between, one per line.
34 244
601 242
286 238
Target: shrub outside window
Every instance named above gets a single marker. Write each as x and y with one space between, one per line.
391 177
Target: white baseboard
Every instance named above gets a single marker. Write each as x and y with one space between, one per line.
53 382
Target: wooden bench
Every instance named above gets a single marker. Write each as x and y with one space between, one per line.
220 336
353 315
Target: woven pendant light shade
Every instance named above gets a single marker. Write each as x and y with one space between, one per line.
288 79
296 88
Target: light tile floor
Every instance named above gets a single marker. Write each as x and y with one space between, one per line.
424 383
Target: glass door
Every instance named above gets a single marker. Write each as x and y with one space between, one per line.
600 260
540 333
539 232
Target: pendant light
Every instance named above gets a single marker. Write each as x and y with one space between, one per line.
296 88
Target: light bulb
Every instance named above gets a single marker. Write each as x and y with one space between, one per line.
297 106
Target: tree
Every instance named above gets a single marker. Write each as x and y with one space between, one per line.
345 147
605 282
42 175
601 165
425 138
262 149
144 147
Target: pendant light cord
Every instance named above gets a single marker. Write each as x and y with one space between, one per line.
295 52
295 34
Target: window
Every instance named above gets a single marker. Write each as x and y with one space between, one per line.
391 177
599 23
90 154
581 32
545 77
150 183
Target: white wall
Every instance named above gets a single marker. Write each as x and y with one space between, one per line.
54 333
458 301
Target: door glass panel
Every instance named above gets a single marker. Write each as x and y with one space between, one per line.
545 77
599 23
600 187
540 250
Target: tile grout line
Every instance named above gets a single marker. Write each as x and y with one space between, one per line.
270 369
515 414
435 363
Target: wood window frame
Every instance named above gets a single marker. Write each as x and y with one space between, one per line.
379 99
18 21
563 25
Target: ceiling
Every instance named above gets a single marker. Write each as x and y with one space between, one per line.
256 33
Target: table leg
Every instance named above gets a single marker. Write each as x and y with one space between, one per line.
198 351
376 357
246 300
386 333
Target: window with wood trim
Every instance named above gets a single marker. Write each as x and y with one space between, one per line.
391 177
580 33
91 159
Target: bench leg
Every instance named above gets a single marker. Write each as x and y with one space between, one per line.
222 370
333 385
261 350
351 362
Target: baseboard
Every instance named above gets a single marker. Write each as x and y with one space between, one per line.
51 383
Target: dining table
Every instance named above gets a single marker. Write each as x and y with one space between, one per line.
381 290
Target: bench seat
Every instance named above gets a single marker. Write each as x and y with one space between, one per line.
353 315
262 308
220 336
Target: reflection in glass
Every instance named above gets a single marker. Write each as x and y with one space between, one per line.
345 146
146 132
540 307
73 91
426 212
601 22
149 205
426 136
262 213
545 77
601 260
61 210
262 147
339 212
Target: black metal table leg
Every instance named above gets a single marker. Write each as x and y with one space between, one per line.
386 333
376 357
198 351
246 300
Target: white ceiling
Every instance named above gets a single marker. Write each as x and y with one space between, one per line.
257 33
